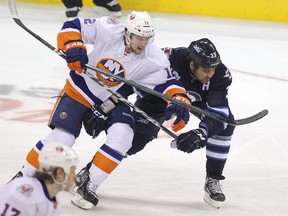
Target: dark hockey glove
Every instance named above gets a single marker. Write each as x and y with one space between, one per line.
182 113
191 140
95 121
76 55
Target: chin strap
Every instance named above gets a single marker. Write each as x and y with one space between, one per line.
63 183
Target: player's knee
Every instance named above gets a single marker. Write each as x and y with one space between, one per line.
61 136
119 137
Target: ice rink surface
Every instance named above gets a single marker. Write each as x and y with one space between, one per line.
159 180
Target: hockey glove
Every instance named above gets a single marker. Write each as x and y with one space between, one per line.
191 140
95 121
76 55
182 113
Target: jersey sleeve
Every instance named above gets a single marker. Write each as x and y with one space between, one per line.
171 88
217 102
87 30
71 30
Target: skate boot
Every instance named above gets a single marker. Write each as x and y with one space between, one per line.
72 12
86 196
213 191
79 180
81 177
111 8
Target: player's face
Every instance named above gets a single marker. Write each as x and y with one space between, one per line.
138 44
202 74
71 178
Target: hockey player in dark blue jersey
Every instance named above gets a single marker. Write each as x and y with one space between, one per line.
206 79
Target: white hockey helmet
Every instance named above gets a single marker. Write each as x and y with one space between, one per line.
54 155
140 23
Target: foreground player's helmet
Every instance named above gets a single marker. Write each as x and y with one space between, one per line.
204 53
54 155
140 23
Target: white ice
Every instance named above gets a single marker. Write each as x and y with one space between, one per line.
158 180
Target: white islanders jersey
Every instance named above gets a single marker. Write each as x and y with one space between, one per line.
25 197
150 69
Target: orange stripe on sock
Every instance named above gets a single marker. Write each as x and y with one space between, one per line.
32 158
104 163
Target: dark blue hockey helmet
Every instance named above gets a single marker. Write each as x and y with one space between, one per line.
203 53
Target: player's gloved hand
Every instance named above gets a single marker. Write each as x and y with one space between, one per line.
76 55
191 140
95 121
182 113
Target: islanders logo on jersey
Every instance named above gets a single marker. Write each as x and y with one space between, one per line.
112 66
25 189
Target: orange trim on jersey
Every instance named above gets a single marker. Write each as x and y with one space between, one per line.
63 37
32 158
104 163
73 93
173 91
55 105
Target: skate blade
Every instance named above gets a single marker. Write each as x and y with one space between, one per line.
78 201
209 201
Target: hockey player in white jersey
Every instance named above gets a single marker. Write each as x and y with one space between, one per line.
125 50
37 195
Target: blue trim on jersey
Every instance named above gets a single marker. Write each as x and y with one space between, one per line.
75 24
39 145
80 82
161 88
111 152
46 192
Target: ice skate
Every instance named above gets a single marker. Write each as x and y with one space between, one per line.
86 197
72 12
79 180
109 9
213 194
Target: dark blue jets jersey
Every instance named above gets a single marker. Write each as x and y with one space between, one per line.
211 97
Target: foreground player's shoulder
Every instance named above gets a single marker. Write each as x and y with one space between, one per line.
27 190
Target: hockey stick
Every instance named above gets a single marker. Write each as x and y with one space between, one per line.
13 10
135 108
193 109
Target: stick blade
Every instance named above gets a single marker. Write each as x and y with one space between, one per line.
13 8
253 118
